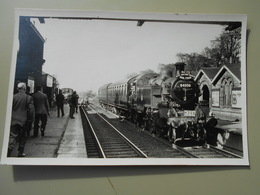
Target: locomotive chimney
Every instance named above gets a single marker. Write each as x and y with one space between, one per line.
179 67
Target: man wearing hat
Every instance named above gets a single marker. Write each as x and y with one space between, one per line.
22 110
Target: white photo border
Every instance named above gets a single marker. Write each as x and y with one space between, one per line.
166 17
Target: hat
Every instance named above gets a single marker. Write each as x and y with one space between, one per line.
21 86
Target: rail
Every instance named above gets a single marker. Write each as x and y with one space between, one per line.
99 147
123 137
207 151
99 140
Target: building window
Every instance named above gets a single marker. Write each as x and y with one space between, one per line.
226 93
205 93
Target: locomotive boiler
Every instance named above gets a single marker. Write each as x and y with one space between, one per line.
165 104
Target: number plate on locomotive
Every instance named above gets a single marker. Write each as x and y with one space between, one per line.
185 85
189 113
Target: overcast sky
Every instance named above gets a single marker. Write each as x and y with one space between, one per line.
85 54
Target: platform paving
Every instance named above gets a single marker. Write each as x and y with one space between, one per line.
73 142
47 146
63 138
234 139
231 126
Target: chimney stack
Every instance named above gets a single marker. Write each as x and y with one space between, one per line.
179 67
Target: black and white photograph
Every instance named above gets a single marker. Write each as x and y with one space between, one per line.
119 88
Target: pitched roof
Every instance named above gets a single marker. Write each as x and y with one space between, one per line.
208 72
234 69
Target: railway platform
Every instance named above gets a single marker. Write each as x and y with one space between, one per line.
73 143
63 138
234 140
232 126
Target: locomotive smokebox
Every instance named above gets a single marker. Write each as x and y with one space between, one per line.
179 67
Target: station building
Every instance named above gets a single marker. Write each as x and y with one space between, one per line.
29 55
30 59
221 89
50 87
204 78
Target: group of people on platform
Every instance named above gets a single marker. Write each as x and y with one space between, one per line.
32 109
73 103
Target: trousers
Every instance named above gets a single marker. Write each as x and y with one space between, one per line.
17 134
28 127
38 118
72 110
60 108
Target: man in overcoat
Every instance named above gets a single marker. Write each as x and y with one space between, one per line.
60 103
22 111
73 102
41 105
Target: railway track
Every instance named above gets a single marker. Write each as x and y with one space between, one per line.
210 152
207 151
103 140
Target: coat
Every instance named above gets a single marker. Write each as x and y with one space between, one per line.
21 103
73 101
60 99
41 103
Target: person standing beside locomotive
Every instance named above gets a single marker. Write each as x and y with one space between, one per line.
22 111
41 105
60 103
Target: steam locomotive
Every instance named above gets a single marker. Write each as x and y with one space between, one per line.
164 104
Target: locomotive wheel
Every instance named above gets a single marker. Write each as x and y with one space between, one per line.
152 128
158 132
172 135
135 118
145 125
204 134
147 122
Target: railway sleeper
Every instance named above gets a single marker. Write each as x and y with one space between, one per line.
115 147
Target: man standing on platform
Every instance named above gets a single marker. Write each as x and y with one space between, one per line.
77 101
60 103
73 101
22 111
41 105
